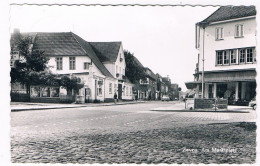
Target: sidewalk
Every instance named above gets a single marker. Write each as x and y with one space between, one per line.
23 106
180 107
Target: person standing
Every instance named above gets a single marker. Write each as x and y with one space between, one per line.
115 98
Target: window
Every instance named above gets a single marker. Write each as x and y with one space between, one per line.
35 91
233 58
59 63
219 33
110 88
219 58
239 30
115 87
46 92
86 65
99 90
249 55
242 54
55 92
72 63
225 57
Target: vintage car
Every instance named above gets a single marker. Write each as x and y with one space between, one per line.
252 104
165 98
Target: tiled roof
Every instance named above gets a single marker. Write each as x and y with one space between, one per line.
151 74
138 62
106 51
230 12
86 46
65 44
57 44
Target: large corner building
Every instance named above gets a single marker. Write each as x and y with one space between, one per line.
226 44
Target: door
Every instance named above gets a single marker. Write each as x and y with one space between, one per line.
120 91
87 95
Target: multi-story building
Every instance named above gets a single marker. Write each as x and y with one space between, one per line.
226 42
71 55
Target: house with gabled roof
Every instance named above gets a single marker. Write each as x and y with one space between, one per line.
146 88
70 55
111 54
226 44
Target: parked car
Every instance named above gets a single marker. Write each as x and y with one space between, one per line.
165 98
252 104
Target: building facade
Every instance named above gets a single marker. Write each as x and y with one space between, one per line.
71 55
226 42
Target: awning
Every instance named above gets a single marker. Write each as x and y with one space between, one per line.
192 85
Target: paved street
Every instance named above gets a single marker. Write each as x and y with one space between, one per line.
117 134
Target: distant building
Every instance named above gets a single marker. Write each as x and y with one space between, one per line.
227 41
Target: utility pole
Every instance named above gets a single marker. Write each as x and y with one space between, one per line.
202 79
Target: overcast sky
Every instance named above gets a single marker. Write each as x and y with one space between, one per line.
162 38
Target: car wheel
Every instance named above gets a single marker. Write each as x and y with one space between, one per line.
254 107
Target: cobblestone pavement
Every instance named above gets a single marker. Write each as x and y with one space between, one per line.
129 134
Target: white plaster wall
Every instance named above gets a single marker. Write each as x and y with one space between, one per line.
130 95
111 68
80 60
118 63
229 42
107 94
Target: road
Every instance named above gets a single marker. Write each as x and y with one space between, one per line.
36 135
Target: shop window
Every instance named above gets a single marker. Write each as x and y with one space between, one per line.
233 58
249 55
225 57
219 58
55 92
99 90
35 91
242 54
45 92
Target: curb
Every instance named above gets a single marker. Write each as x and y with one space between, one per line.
225 111
79 106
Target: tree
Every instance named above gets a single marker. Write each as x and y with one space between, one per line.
28 68
73 83
134 72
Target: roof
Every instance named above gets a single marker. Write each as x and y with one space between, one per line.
86 46
65 44
151 74
138 62
106 51
230 12
57 44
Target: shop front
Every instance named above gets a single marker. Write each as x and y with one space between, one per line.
239 86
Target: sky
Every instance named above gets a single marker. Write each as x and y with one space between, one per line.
162 38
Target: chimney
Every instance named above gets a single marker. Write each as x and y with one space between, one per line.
16 30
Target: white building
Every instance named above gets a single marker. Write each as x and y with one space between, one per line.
71 55
226 42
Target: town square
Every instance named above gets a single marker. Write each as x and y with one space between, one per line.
120 84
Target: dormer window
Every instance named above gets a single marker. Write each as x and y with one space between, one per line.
219 33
